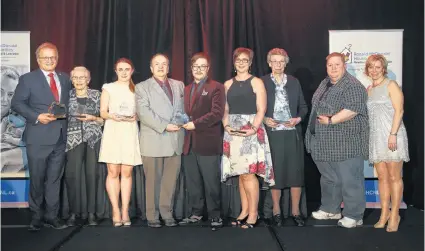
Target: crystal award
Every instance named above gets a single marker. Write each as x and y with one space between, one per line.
282 116
125 111
180 118
57 110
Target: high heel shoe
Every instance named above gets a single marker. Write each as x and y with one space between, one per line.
239 222
116 223
393 228
247 225
126 223
381 223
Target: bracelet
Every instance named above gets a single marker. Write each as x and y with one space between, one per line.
330 120
254 128
394 134
226 126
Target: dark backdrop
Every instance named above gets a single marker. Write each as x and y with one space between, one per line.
95 33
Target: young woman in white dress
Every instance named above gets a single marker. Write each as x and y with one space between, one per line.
120 147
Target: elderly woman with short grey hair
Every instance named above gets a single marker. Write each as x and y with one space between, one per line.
82 147
286 108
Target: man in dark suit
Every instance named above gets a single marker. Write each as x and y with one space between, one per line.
204 102
44 135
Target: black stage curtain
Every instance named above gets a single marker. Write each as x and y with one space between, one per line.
95 33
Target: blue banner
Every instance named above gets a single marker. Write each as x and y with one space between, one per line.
14 191
371 191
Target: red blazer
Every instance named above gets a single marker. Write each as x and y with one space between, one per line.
206 113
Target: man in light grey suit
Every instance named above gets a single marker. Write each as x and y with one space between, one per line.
158 100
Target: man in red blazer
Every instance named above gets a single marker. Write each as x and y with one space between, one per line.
204 102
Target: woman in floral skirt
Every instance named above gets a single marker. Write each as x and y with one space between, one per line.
246 151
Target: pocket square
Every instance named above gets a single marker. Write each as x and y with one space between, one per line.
204 93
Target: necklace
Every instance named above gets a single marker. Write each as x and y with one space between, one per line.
375 85
240 81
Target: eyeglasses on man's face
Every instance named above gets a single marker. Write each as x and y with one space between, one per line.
199 67
48 58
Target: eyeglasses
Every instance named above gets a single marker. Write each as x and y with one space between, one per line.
79 78
245 61
48 58
199 67
277 62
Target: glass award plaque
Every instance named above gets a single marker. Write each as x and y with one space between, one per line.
57 110
180 118
81 109
125 111
282 116
238 131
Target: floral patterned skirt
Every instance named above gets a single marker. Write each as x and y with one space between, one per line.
244 155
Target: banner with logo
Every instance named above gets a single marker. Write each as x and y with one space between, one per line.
357 46
15 61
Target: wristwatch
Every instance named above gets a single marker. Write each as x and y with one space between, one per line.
330 120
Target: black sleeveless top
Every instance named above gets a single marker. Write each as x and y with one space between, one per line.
241 98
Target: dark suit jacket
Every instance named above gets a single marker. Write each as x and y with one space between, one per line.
297 104
32 97
206 113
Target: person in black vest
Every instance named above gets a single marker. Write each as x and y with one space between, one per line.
286 108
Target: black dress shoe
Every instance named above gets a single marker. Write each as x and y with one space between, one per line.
298 220
92 220
35 225
277 220
216 223
55 223
71 220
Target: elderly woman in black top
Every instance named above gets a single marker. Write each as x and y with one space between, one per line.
286 108
82 147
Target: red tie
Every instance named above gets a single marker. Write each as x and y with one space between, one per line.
53 87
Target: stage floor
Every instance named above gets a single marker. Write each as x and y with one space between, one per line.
317 235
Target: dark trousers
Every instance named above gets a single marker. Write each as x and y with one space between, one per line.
202 175
80 179
46 164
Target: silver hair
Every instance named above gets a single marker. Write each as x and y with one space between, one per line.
81 68
278 51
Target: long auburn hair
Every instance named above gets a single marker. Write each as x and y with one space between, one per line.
132 86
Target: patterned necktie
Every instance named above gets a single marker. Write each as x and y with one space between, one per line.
167 92
53 87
